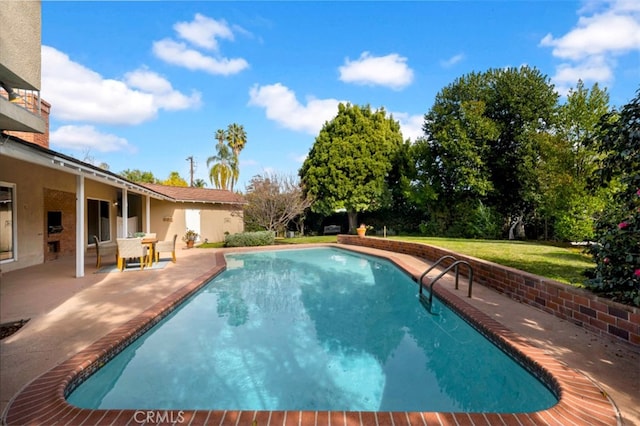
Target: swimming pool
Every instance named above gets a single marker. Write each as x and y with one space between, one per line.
312 329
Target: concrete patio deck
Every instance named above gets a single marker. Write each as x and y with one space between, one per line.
67 314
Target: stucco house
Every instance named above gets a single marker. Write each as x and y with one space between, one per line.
52 205
212 213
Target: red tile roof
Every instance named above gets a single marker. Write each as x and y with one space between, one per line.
182 193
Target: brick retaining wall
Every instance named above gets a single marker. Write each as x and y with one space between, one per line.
579 306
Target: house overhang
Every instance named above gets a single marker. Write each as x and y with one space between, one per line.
50 159
14 117
229 203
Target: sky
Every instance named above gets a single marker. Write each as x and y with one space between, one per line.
145 85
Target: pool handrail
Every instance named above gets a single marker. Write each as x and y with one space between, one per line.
436 263
445 271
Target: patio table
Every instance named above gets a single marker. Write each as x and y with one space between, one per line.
151 244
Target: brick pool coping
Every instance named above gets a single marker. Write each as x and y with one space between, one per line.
583 308
43 401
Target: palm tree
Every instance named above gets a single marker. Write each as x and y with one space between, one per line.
237 139
222 168
199 183
221 136
225 170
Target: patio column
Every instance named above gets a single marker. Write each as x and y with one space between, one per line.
148 214
80 237
125 213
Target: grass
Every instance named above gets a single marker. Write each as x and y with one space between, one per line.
565 264
300 240
211 245
561 263
309 240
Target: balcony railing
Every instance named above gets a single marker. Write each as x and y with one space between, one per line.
24 98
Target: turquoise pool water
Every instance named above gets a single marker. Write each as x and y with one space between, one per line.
312 329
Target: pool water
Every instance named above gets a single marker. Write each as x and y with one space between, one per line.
312 329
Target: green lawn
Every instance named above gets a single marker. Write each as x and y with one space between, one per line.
564 264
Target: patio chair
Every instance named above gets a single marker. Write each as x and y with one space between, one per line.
129 248
104 249
166 246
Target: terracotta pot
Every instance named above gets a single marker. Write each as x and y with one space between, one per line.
189 243
361 232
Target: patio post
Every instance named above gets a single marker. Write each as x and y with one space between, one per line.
80 214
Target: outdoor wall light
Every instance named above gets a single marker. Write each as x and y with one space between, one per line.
13 96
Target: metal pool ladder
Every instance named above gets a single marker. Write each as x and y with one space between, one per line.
455 265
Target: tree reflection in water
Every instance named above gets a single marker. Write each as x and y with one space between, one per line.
315 329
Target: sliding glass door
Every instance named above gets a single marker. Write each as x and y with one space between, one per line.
98 220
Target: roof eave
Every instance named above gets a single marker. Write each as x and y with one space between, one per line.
47 158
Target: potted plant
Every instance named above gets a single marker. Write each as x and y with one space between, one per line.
361 230
190 237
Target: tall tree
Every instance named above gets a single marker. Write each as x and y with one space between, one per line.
451 160
236 139
221 167
569 158
482 143
348 164
226 163
221 136
522 103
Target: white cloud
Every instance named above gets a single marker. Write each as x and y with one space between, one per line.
390 71
594 69
590 48
179 54
87 138
165 95
448 63
281 106
203 31
80 94
410 125
605 33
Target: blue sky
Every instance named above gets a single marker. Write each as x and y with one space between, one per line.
144 85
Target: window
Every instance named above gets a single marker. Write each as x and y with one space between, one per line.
7 222
98 222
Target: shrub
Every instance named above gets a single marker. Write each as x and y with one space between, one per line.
617 255
468 220
617 252
577 221
250 239
571 226
483 223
